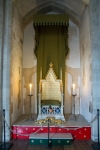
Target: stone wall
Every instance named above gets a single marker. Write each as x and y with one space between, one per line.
16 65
95 68
7 16
86 95
29 69
1 49
72 70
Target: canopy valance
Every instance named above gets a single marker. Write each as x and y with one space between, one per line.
61 19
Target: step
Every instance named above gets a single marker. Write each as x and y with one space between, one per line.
54 139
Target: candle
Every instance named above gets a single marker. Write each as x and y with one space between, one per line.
73 89
30 88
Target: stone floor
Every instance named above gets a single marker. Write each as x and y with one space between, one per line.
72 121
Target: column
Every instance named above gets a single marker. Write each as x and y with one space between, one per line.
95 47
7 8
1 49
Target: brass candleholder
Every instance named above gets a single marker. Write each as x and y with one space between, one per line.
30 106
74 106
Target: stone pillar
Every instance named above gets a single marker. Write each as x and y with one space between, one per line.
6 62
95 47
1 49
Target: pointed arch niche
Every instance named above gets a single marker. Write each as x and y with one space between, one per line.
30 66
51 43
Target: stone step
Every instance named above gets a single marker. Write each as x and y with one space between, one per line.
54 139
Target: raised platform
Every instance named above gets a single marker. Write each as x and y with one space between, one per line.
80 128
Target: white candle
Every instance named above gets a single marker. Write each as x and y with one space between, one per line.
73 89
30 88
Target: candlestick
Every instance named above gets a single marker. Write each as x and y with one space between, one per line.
74 106
30 106
30 88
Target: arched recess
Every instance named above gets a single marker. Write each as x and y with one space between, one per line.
51 6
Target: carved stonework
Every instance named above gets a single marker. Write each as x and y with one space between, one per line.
51 86
51 73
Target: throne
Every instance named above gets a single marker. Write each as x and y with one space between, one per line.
50 96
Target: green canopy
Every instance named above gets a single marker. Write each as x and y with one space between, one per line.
61 19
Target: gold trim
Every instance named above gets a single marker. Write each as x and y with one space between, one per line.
52 120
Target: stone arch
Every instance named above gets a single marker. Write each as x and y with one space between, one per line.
51 6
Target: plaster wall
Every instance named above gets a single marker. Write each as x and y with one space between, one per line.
29 70
86 95
29 59
16 65
72 68
72 71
